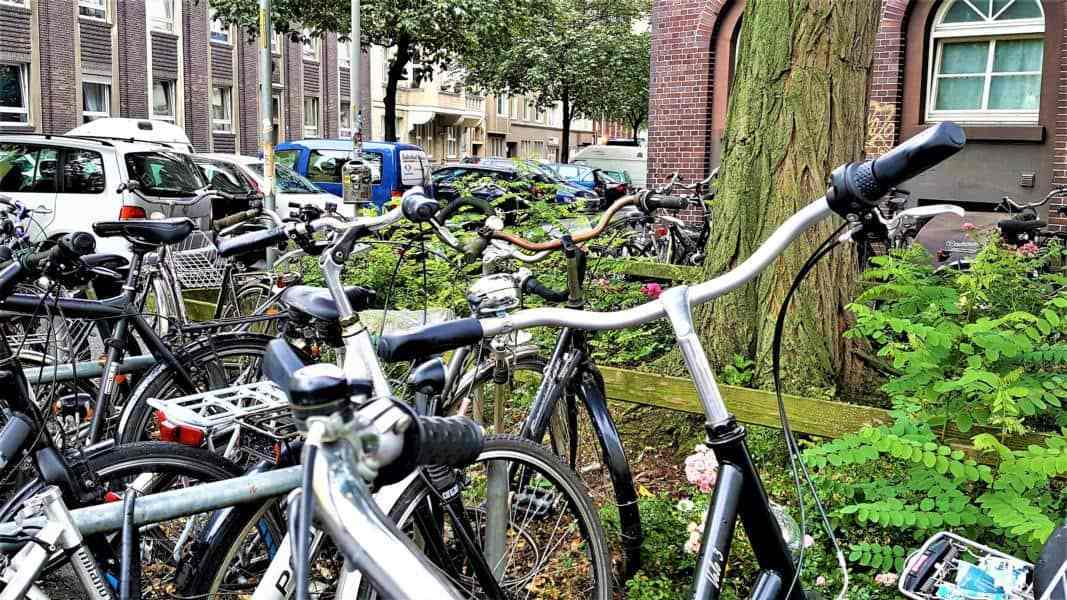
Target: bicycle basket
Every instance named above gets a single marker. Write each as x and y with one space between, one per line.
196 263
950 567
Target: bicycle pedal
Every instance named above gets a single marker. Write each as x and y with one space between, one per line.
536 503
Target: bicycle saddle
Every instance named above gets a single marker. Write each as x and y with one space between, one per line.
318 303
146 232
1017 226
1053 556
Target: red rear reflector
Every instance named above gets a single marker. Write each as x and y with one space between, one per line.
132 212
661 231
110 496
182 434
397 194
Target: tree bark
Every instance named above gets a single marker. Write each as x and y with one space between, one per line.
797 109
396 71
565 143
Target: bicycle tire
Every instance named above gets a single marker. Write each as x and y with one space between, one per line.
130 460
511 448
200 359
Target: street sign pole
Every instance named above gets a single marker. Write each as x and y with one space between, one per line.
356 174
266 127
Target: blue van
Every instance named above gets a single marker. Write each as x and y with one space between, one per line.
397 166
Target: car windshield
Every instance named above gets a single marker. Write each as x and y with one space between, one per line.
287 180
167 174
224 177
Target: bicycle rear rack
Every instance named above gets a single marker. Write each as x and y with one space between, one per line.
946 560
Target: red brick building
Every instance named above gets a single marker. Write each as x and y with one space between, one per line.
997 67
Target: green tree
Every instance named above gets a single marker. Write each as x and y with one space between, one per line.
565 52
624 97
436 32
797 110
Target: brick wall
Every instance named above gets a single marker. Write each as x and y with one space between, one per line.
247 98
1059 131
196 74
887 73
330 101
58 78
133 54
294 87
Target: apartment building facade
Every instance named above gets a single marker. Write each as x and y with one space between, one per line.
997 67
451 123
66 62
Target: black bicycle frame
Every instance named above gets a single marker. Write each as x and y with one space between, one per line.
124 312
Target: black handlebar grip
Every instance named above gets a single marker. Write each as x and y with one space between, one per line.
480 204
535 287
418 208
69 247
864 183
448 441
253 240
652 202
432 339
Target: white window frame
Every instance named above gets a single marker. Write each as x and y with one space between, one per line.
24 79
97 8
220 33
104 81
157 22
222 125
503 102
980 31
342 112
452 143
311 130
172 98
276 43
19 3
311 49
344 54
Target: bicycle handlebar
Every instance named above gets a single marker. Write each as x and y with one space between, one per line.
859 185
1020 207
67 251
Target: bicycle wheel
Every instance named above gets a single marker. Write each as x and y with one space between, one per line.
220 361
556 544
249 299
151 467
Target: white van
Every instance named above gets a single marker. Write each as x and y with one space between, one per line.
135 130
631 159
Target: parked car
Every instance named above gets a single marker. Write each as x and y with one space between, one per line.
576 175
630 159
569 190
83 180
444 177
397 167
140 130
242 176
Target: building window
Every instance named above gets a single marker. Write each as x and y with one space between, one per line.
94 9
311 46
275 42
502 103
163 100
220 32
275 116
452 139
96 99
424 137
345 119
222 108
987 61
14 95
161 15
311 116
344 54
15 2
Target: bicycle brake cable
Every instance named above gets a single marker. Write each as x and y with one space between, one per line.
795 458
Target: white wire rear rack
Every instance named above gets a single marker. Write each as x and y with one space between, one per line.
217 411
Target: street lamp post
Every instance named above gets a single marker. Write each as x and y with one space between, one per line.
356 174
266 127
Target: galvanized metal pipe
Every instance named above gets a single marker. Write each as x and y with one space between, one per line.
89 369
173 504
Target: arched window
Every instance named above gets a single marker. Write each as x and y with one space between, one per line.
987 57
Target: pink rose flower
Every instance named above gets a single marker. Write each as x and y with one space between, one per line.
652 290
701 469
820 581
886 579
968 226
808 541
1029 249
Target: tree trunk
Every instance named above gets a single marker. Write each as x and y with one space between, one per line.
635 124
396 71
565 143
797 109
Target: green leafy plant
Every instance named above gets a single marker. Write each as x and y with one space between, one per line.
739 372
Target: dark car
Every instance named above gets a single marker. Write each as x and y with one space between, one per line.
444 177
